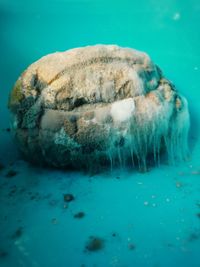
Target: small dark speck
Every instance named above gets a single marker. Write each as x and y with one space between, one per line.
95 244
198 215
79 215
131 246
10 174
114 234
170 245
12 191
18 233
54 221
32 197
22 190
193 237
3 254
1 166
68 197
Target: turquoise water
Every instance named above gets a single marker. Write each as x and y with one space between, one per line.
149 219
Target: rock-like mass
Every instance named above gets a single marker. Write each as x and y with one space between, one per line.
98 105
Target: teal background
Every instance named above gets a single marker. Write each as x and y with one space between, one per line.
166 232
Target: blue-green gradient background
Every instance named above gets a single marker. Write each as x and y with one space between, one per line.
166 232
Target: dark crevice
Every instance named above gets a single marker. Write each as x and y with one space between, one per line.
79 102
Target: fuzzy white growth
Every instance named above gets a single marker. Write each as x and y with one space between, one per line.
153 128
122 110
177 139
147 130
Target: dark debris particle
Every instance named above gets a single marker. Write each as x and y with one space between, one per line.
3 254
198 215
170 245
114 234
1 166
131 246
68 197
8 129
35 196
11 173
18 233
54 221
95 244
194 236
22 190
79 215
32 197
12 191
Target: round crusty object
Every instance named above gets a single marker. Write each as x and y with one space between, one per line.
95 105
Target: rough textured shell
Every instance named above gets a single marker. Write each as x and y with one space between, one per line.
95 104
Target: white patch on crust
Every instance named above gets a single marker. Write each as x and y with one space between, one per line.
122 110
